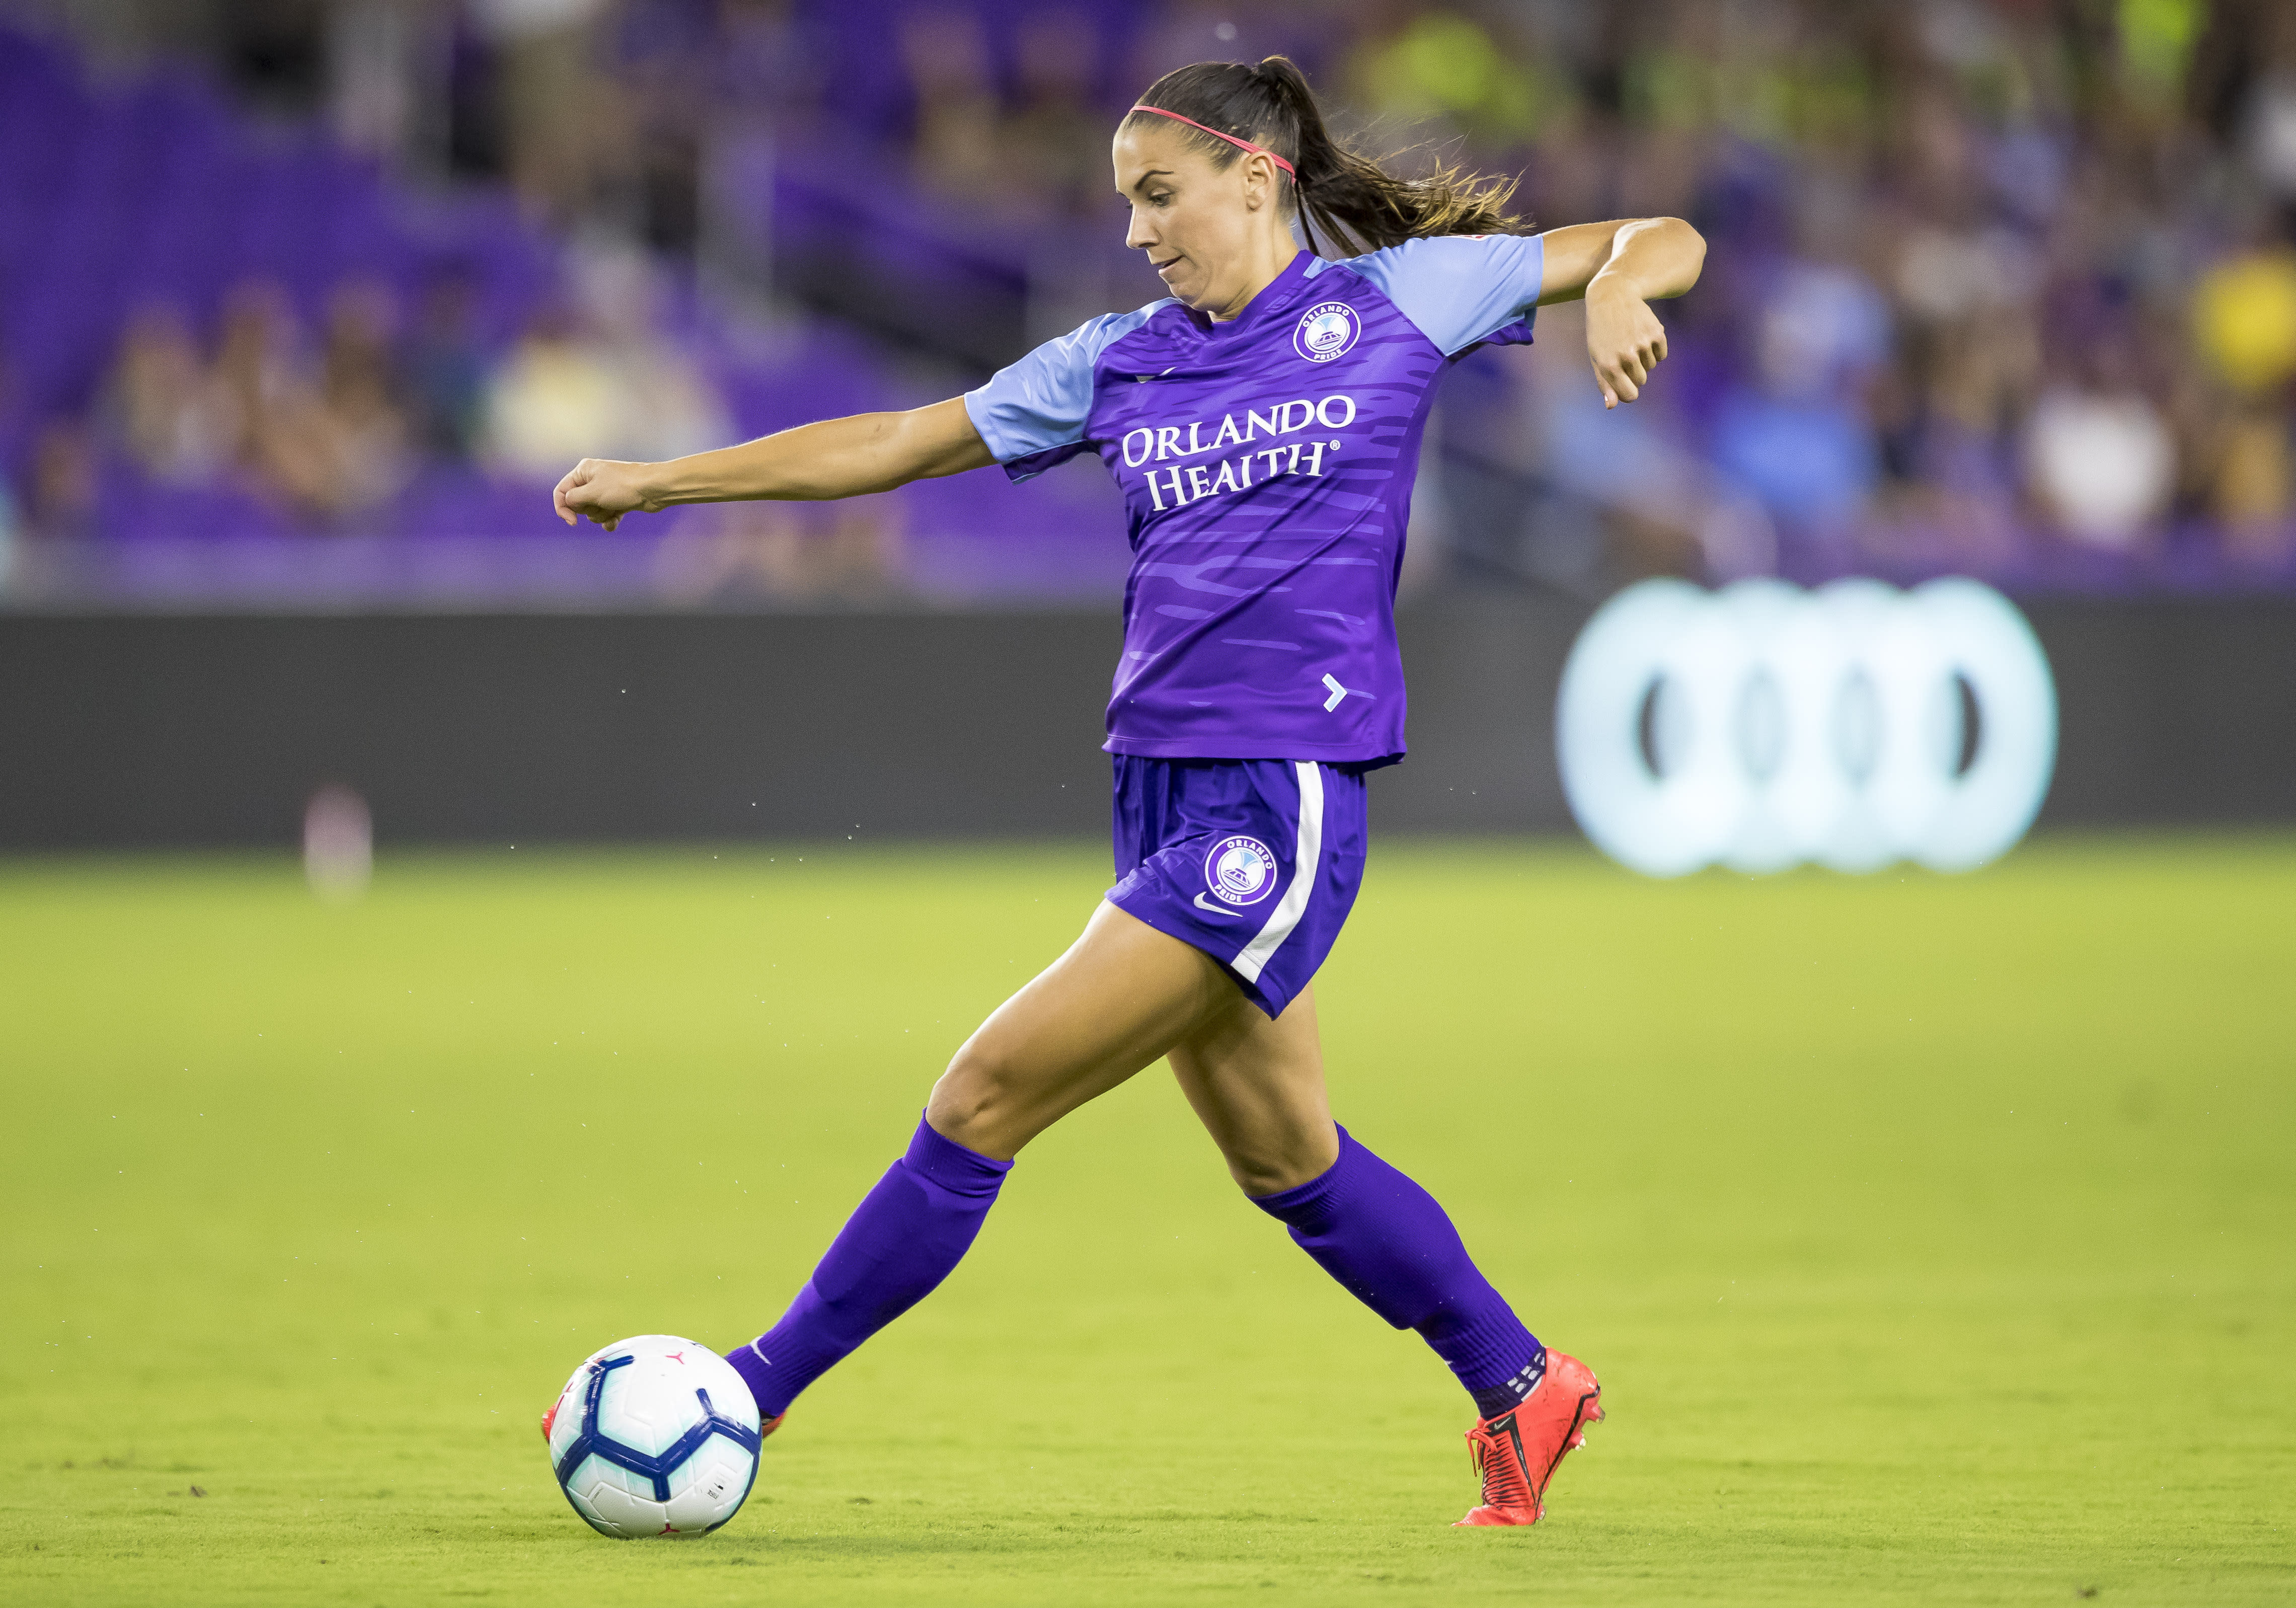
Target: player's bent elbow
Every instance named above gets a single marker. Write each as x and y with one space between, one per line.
1690 254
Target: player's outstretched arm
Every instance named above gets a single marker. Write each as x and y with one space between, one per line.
1620 268
835 458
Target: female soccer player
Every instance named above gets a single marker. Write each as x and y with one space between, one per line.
1264 421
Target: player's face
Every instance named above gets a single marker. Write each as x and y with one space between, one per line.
1195 221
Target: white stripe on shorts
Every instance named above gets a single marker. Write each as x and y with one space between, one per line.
1306 857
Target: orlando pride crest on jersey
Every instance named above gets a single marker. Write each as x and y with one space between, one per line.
1267 465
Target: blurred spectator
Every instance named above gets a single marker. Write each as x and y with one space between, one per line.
1811 464
1055 146
669 407
447 368
275 52
363 408
599 379
373 75
1822 333
1800 441
2103 462
660 58
552 403
2271 109
1968 366
63 491
2245 311
2244 317
292 449
560 118
956 108
171 421
257 400
1443 65
2255 489
761 68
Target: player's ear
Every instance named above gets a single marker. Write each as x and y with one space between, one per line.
1258 180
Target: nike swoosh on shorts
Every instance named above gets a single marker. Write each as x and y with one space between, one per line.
1213 909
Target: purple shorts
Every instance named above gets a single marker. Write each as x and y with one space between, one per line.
1256 862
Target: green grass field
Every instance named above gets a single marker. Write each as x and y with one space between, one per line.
1932 1236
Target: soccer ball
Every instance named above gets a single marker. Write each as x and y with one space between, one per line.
655 1436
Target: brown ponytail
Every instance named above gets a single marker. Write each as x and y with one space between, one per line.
1358 205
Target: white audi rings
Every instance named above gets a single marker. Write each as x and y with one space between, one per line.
1763 725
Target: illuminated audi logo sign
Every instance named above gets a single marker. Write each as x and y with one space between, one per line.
1762 725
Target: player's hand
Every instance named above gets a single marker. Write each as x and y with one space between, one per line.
1625 340
602 490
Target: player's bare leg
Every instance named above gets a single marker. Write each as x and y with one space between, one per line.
1121 997
1113 1004
1258 1086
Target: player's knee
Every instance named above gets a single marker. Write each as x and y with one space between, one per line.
1269 1170
1269 1163
975 1098
1257 1177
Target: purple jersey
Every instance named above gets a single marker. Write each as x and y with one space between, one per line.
1267 465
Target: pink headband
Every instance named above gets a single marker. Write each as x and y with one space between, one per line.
1230 139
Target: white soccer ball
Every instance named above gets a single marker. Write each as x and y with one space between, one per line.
655 1436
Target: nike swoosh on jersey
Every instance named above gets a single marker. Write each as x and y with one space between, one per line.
1213 909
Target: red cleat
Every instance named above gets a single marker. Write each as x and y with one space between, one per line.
1518 1452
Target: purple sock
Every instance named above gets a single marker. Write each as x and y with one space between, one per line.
907 1235
1385 1239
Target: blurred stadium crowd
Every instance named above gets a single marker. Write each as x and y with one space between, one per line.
300 294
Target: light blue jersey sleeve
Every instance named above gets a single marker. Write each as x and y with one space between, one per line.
1032 414
1460 289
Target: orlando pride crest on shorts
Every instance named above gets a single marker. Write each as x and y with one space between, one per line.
1256 862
